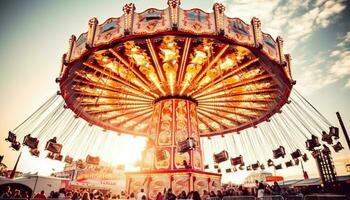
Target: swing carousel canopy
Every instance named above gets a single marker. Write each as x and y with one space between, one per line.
114 74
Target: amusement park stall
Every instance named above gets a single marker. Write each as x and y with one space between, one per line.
36 183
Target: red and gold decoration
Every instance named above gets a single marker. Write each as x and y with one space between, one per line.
171 75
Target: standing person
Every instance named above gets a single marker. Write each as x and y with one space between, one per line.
16 194
132 196
86 196
140 194
276 189
6 193
62 193
196 195
182 195
205 195
159 196
170 195
40 195
219 194
260 192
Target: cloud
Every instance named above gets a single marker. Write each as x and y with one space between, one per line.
324 71
346 40
294 20
341 67
347 85
330 8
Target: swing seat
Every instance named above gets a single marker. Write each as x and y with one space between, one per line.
68 160
221 157
296 154
289 163
93 160
270 163
338 147
11 137
53 147
279 166
262 166
279 152
312 143
186 145
249 168
237 160
31 142
256 165
334 131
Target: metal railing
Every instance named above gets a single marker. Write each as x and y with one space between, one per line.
239 198
272 197
294 197
324 197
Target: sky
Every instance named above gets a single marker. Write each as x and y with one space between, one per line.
34 34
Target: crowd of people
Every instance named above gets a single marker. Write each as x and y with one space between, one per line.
259 190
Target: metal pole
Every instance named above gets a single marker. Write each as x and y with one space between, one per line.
13 172
36 181
344 129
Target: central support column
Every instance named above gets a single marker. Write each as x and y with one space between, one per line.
173 120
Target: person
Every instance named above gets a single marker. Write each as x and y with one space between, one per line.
276 189
182 195
122 195
132 196
170 195
53 140
7 193
219 194
40 195
76 196
25 195
16 194
205 195
190 195
260 191
159 196
52 195
144 197
62 192
212 194
86 196
140 194
196 196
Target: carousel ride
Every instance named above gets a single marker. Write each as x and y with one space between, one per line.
191 82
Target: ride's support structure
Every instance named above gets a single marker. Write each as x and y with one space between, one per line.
165 164
343 128
327 172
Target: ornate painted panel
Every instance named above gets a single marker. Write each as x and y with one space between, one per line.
79 46
239 31
196 21
111 29
270 47
151 21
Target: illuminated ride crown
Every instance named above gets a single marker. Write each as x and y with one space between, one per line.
173 75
